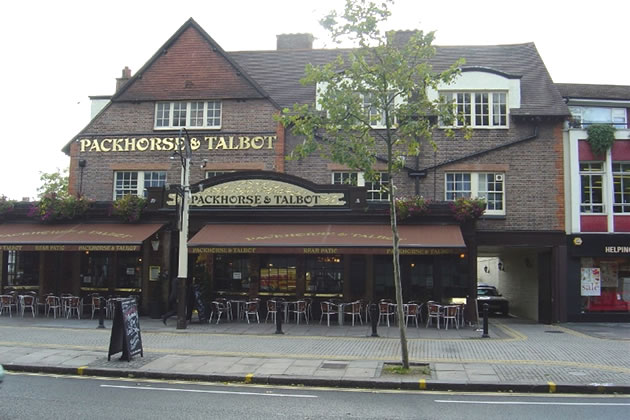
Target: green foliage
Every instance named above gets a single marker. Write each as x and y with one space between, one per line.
53 207
6 205
465 208
411 206
600 137
129 208
53 182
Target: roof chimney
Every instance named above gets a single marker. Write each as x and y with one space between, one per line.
126 75
294 42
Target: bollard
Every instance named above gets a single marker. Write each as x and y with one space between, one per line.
278 319
374 318
101 313
485 321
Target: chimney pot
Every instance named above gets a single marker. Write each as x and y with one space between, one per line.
126 75
294 42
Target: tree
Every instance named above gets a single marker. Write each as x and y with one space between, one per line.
383 82
53 182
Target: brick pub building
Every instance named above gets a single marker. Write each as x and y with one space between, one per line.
264 226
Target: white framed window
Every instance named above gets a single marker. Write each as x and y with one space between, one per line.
376 190
197 114
583 116
621 182
487 185
592 179
478 109
136 182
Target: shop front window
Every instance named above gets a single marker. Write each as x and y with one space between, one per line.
231 272
129 271
22 268
278 274
605 284
94 270
324 274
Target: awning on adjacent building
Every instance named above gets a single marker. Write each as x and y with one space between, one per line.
326 239
75 237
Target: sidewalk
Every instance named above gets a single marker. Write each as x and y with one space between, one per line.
519 356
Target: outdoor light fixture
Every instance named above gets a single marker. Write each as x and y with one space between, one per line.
501 266
155 243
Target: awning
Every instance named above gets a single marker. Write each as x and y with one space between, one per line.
326 239
75 237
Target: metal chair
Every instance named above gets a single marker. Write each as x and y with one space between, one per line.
434 311
450 314
328 309
7 304
299 308
272 309
73 306
53 303
411 311
251 308
385 310
220 308
27 301
354 310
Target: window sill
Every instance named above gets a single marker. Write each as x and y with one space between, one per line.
493 217
187 128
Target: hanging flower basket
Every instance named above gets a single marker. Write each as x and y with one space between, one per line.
129 208
411 206
600 137
465 209
52 207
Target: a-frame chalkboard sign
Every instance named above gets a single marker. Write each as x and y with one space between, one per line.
125 336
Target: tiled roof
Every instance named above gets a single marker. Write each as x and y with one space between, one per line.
279 72
584 91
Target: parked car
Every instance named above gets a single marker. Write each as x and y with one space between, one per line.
1 374
490 295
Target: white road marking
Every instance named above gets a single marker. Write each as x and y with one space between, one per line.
594 404
201 391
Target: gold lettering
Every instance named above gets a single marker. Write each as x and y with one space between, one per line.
221 144
210 140
105 148
142 144
271 139
194 143
244 142
84 144
167 143
95 146
117 147
258 143
130 144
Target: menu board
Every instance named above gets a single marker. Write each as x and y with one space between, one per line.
591 282
125 335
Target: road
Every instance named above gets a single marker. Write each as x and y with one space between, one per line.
28 396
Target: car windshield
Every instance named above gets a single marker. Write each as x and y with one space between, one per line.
487 292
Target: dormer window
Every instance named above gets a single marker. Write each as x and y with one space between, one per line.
478 109
191 115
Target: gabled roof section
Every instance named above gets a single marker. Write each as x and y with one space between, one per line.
539 95
190 65
588 91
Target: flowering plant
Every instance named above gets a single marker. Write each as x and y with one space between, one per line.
6 205
53 206
411 206
466 208
129 208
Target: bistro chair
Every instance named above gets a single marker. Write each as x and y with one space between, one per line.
219 308
434 311
27 301
251 308
299 308
450 314
385 310
411 311
73 306
53 303
6 304
328 309
272 309
353 309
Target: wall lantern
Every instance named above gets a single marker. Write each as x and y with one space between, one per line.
155 243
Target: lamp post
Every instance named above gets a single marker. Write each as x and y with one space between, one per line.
185 155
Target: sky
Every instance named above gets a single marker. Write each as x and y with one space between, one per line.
58 53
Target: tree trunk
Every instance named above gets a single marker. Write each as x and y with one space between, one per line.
397 280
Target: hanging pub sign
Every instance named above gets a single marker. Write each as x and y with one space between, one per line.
125 335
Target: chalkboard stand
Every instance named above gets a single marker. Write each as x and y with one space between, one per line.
125 335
